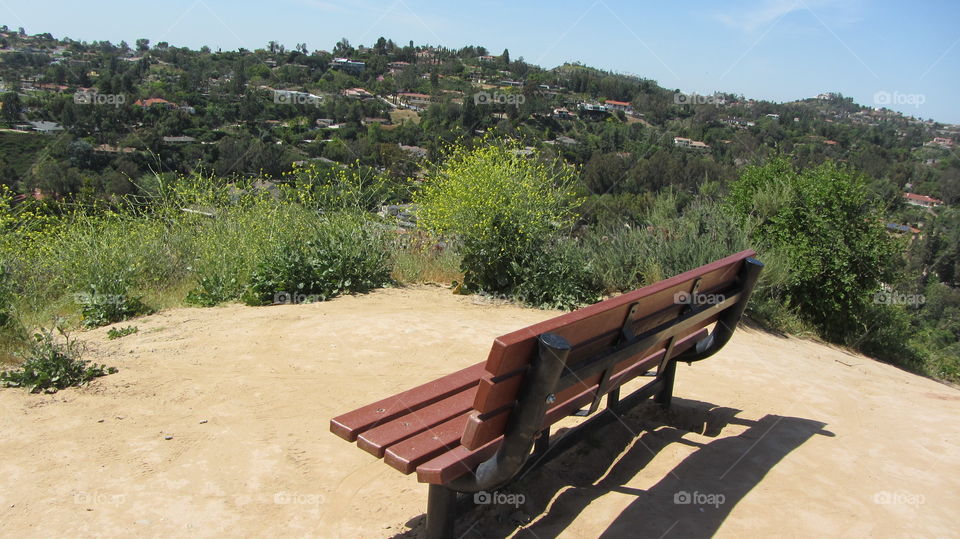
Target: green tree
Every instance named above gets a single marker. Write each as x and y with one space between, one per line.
824 223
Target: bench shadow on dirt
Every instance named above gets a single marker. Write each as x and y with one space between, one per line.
692 500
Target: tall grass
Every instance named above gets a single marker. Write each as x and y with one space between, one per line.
624 258
197 240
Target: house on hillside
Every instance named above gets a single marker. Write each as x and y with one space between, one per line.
625 106
902 229
396 67
921 200
684 142
943 142
348 66
358 93
47 128
155 102
414 99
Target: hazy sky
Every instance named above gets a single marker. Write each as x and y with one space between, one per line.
905 55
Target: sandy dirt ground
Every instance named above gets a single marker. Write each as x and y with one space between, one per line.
217 425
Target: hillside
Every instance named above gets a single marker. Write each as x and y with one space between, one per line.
851 446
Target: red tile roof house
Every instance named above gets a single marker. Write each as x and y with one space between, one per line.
414 98
619 105
922 200
147 103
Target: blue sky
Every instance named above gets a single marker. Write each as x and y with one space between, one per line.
904 54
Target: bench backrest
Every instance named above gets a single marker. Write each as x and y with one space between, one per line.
592 332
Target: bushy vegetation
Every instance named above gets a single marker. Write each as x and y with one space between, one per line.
836 270
507 210
117 333
340 254
51 365
496 217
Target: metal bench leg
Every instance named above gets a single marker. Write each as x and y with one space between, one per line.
665 395
441 512
613 401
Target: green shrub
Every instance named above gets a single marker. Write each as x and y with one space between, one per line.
822 221
556 275
51 366
503 207
107 302
116 333
344 254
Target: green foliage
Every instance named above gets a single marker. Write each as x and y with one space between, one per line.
822 221
116 333
9 320
671 242
107 302
506 209
343 254
51 365
335 188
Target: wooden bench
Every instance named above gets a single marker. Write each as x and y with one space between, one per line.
475 429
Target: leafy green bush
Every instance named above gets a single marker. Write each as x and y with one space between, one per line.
344 254
51 366
822 221
505 208
107 302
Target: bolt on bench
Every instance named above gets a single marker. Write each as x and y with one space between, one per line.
474 430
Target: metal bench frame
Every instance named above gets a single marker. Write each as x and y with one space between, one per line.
549 371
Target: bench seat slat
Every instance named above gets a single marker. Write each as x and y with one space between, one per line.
513 351
460 460
410 453
349 426
376 440
482 428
